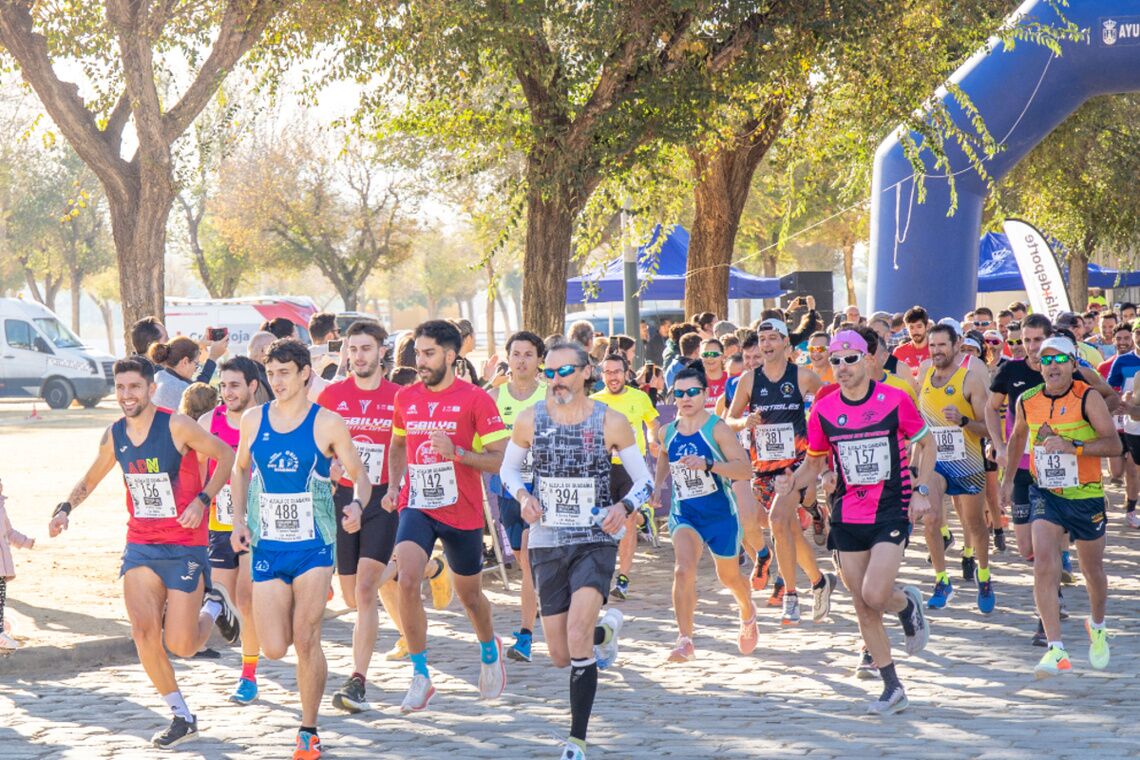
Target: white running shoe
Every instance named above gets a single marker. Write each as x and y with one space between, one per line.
419 694
821 598
1133 519
7 643
572 752
606 654
493 676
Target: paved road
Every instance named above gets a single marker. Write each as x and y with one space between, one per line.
972 694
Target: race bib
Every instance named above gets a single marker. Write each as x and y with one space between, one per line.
951 443
224 506
287 517
865 462
691 484
1054 469
775 442
1121 420
151 495
372 455
431 486
527 469
745 438
567 502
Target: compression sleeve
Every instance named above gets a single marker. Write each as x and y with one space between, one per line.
634 463
511 470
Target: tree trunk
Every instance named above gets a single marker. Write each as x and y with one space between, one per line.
351 298
746 311
75 284
849 270
506 312
138 225
108 322
1079 279
549 227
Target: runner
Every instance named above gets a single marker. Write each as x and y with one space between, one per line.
525 352
574 522
865 428
1122 377
704 456
165 568
769 401
817 357
284 513
915 351
642 416
712 359
238 384
365 400
953 402
1068 427
444 433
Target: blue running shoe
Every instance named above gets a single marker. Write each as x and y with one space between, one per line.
986 598
245 692
943 593
1067 576
520 650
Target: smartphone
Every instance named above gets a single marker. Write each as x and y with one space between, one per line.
335 346
502 368
217 333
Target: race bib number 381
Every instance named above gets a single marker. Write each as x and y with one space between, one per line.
865 462
151 495
287 517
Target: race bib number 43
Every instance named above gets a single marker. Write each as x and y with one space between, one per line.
431 486
567 502
865 462
151 495
1054 469
951 443
287 517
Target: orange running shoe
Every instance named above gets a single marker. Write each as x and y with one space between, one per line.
308 746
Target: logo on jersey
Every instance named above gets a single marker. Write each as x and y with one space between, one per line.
687 450
283 462
786 389
841 420
432 405
364 404
763 391
880 397
949 390
426 454
342 406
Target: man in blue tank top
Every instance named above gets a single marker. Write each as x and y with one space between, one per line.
704 456
283 508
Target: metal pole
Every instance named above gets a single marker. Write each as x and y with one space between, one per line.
629 283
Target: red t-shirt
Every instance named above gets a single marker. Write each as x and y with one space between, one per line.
1106 366
368 415
715 391
911 355
448 491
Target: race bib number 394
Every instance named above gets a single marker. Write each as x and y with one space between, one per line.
151 495
431 486
287 517
865 462
567 502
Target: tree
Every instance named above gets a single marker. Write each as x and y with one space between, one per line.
103 289
127 42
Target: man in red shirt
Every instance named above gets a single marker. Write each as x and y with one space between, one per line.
914 352
444 433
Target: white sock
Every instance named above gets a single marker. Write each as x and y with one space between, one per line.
1096 626
1056 644
178 705
212 608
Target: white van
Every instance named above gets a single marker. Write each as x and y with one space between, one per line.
40 357
242 316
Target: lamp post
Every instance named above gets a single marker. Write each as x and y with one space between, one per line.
629 284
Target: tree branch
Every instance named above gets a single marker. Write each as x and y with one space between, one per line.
136 53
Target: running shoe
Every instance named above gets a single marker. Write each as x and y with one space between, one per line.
748 636
684 651
986 598
805 518
572 752
760 572
245 692
399 651
620 591
7 643
419 694
228 622
948 541
1052 663
1062 608
818 526
1067 576
442 592
791 614
1098 645
308 746
520 650
606 654
1039 638
777 597
943 593
969 569
999 542
821 598
178 732
914 626
493 675
1133 519
890 701
648 527
866 670
350 696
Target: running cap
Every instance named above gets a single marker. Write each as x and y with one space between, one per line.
973 342
777 325
1060 344
953 323
848 340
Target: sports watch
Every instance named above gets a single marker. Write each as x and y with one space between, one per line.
922 490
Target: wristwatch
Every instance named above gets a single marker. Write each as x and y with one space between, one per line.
708 464
630 507
1079 448
922 490
206 500
459 452
964 421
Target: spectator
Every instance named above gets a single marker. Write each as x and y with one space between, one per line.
322 329
463 366
148 331
655 346
582 333
258 346
690 352
280 327
178 360
704 322
197 399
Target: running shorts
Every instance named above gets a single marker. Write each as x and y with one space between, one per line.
1084 519
376 537
721 532
221 551
559 571
463 548
857 537
1022 511
289 564
179 567
510 515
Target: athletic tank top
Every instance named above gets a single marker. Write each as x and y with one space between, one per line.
161 482
510 407
290 504
221 511
696 492
1071 476
959 451
714 391
781 438
571 468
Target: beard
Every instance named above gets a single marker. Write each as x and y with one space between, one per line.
433 376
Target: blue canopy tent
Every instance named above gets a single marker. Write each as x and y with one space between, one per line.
997 269
668 281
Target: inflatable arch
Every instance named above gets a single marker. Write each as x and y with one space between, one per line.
918 253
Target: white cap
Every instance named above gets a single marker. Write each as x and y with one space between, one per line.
773 324
1060 344
969 341
953 323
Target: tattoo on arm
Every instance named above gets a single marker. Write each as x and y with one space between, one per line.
79 493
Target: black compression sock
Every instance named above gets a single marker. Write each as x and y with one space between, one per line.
890 678
525 632
1130 506
583 687
904 618
310 729
821 582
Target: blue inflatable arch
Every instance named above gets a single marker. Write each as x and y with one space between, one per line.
918 253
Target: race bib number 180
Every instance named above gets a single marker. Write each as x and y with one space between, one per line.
951 443
865 462
151 495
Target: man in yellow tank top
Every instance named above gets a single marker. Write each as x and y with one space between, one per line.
1068 427
952 400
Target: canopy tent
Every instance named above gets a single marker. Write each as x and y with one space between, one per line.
667 283
997 269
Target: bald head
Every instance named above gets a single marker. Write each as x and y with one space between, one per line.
258 345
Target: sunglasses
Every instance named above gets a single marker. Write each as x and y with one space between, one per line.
992 342
849 359
1012 342
566 370
711 354
817 349
982 323
1055 359
690 392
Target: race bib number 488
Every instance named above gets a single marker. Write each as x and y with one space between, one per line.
287 517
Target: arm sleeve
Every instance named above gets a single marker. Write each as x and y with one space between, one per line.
511 470
207 373
634 463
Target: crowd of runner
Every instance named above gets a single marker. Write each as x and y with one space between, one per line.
793 445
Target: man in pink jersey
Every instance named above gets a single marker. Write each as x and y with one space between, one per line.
865 429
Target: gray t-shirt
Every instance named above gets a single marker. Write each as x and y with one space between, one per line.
168 395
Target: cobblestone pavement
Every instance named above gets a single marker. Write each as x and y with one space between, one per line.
972 693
